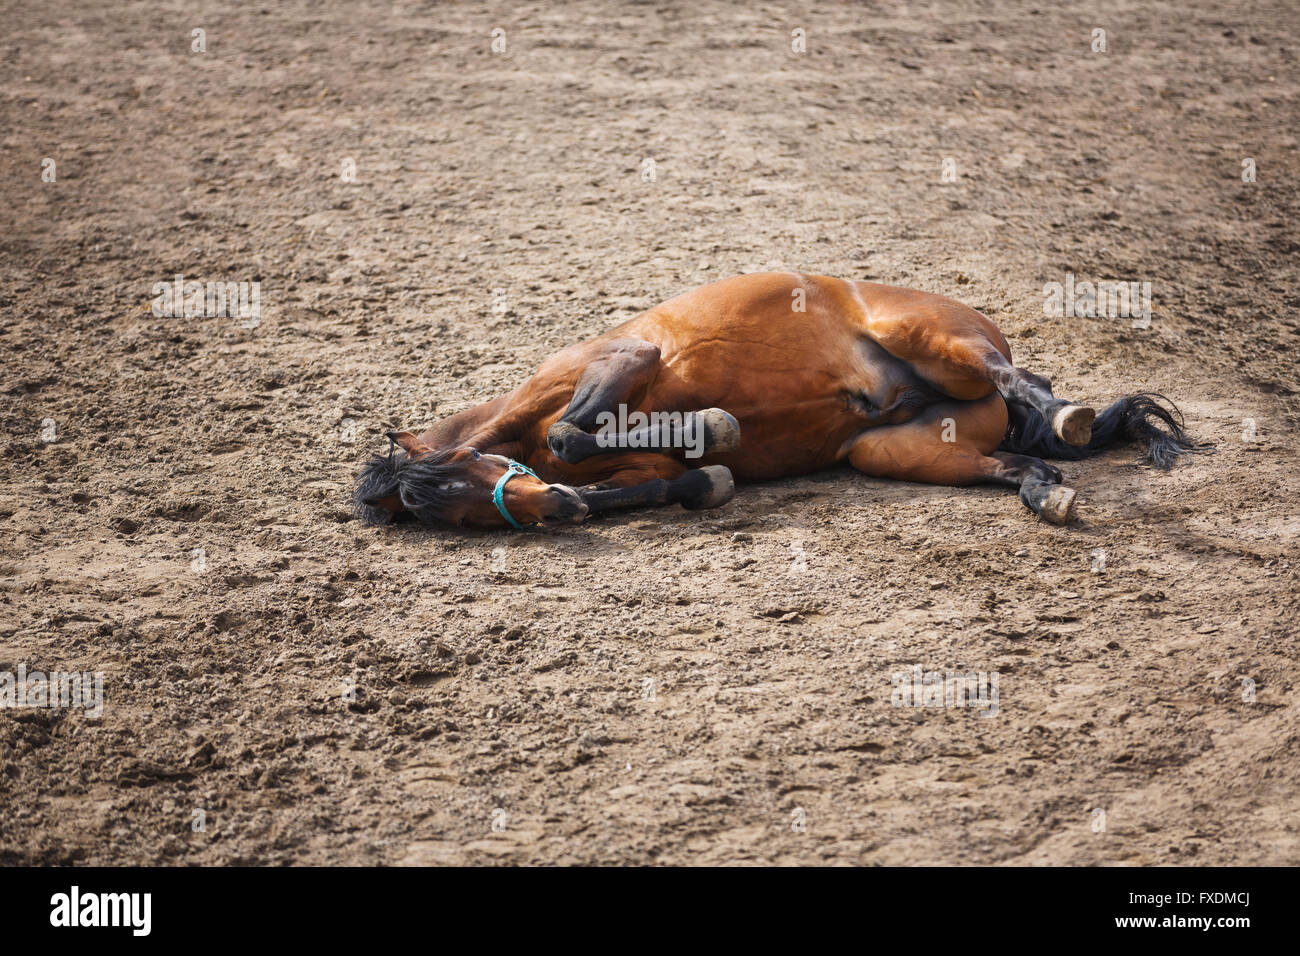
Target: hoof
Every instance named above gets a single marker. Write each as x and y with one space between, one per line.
712 485
721 431
1073 424
1058 506
560 439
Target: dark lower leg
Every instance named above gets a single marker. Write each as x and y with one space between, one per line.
1072 423
705 487
1015 469
1038 483
1049 500
693 434
1025 388
616 377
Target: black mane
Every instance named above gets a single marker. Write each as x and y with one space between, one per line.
419 484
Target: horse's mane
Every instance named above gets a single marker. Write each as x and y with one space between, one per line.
419 483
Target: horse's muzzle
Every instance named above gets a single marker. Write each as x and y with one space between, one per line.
567 506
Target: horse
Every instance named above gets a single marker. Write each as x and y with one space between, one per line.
758 377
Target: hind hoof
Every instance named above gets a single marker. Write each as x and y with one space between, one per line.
1058 506
1073 424
721 431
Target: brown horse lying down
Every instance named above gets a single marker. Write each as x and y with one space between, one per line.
760 376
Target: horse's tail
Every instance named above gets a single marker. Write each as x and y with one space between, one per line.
1140 418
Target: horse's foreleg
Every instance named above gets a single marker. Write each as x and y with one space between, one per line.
620 377
952 443
695 488
691 434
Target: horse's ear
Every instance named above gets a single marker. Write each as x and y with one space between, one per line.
410 444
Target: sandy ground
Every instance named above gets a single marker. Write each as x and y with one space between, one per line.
662 687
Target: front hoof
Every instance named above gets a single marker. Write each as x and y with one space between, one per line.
721 431
1073 424
1058 506
708 487
561 439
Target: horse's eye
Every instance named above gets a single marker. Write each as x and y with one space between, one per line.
476 455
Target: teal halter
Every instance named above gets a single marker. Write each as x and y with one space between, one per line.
497 492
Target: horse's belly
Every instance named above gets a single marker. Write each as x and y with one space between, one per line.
798 418
780 441
801 384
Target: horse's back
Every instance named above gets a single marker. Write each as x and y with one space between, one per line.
797 310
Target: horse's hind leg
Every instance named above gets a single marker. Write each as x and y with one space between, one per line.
1072 423
962 353
620 377
1025 390
952 443
1039 485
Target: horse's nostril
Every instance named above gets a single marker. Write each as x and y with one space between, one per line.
569 504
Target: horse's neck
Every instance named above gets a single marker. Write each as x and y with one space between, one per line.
485 426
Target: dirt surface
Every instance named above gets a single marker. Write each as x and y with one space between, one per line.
664 687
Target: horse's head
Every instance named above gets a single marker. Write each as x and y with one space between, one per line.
457 486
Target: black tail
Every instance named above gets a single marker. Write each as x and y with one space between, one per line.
1137 418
